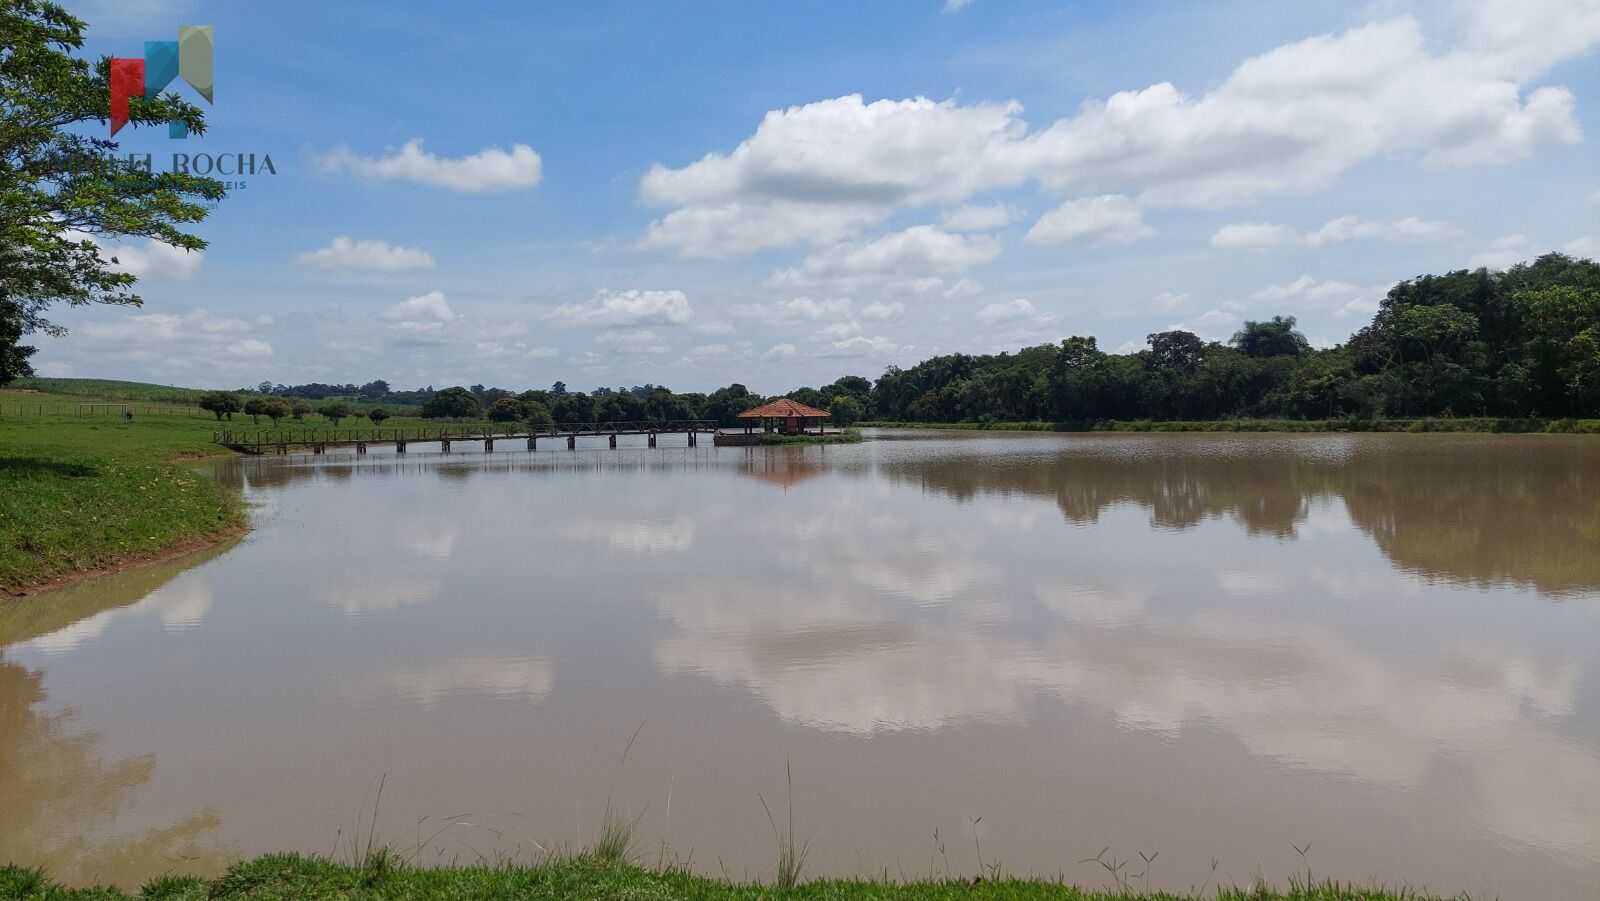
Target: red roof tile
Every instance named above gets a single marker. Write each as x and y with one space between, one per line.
781 408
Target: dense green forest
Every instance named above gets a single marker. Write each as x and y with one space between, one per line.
1519 343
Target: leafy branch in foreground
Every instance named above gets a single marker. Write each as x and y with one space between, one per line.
63 192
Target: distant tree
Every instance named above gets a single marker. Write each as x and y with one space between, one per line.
334 410
377 415
619 406
573 407
375 389
1176 350
1563 339
1435 329
265 387
725 404
299 408
852 385
452 403
489 396
220 403
661 405
506 409
538 415
559 388
1274 338
275 409
535 396
845 411
254 408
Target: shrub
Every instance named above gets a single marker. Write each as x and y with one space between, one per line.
452 403
333 411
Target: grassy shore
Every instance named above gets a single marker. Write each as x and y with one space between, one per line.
848 436
82 494
590 877
1463 424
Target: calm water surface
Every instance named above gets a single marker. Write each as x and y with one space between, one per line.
1211 647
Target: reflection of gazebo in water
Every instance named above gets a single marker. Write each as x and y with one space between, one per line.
783 416
783 471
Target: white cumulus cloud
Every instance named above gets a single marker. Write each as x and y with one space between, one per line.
1504 252
798 309
916 252
1263 235
1303 288
1252 236
149 261
431 307
344 252
620 308
1021 308
490 169
882 311
1290 120
1100 220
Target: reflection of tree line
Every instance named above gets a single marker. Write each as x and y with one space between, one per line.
1480 513
57 793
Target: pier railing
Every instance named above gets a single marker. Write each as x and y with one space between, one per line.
322 436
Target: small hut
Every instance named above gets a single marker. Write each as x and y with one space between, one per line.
786 417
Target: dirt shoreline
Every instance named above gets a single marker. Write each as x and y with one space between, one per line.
146 558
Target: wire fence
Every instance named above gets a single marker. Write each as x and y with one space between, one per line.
25 408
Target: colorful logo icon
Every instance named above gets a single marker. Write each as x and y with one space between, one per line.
188 56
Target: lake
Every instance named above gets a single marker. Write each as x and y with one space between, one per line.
1020 649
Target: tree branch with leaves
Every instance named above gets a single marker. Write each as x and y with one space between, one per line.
62 191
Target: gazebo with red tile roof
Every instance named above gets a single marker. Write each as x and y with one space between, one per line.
789 417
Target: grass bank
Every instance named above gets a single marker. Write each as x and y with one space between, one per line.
284 876
1464 424
82 494
848 436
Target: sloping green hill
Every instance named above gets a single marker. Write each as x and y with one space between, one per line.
113 389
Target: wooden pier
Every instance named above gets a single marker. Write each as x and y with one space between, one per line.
263 441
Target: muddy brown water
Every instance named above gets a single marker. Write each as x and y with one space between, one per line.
1025 647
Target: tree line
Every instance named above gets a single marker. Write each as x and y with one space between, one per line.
1521 343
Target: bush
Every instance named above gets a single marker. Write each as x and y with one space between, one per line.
220 403
845 411
276 409
506 409
333 411
452 403
377 415
538 415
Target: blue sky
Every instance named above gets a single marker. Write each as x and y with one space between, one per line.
698 193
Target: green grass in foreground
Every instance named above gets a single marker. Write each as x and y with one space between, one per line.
81 493
283 876
1463 424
